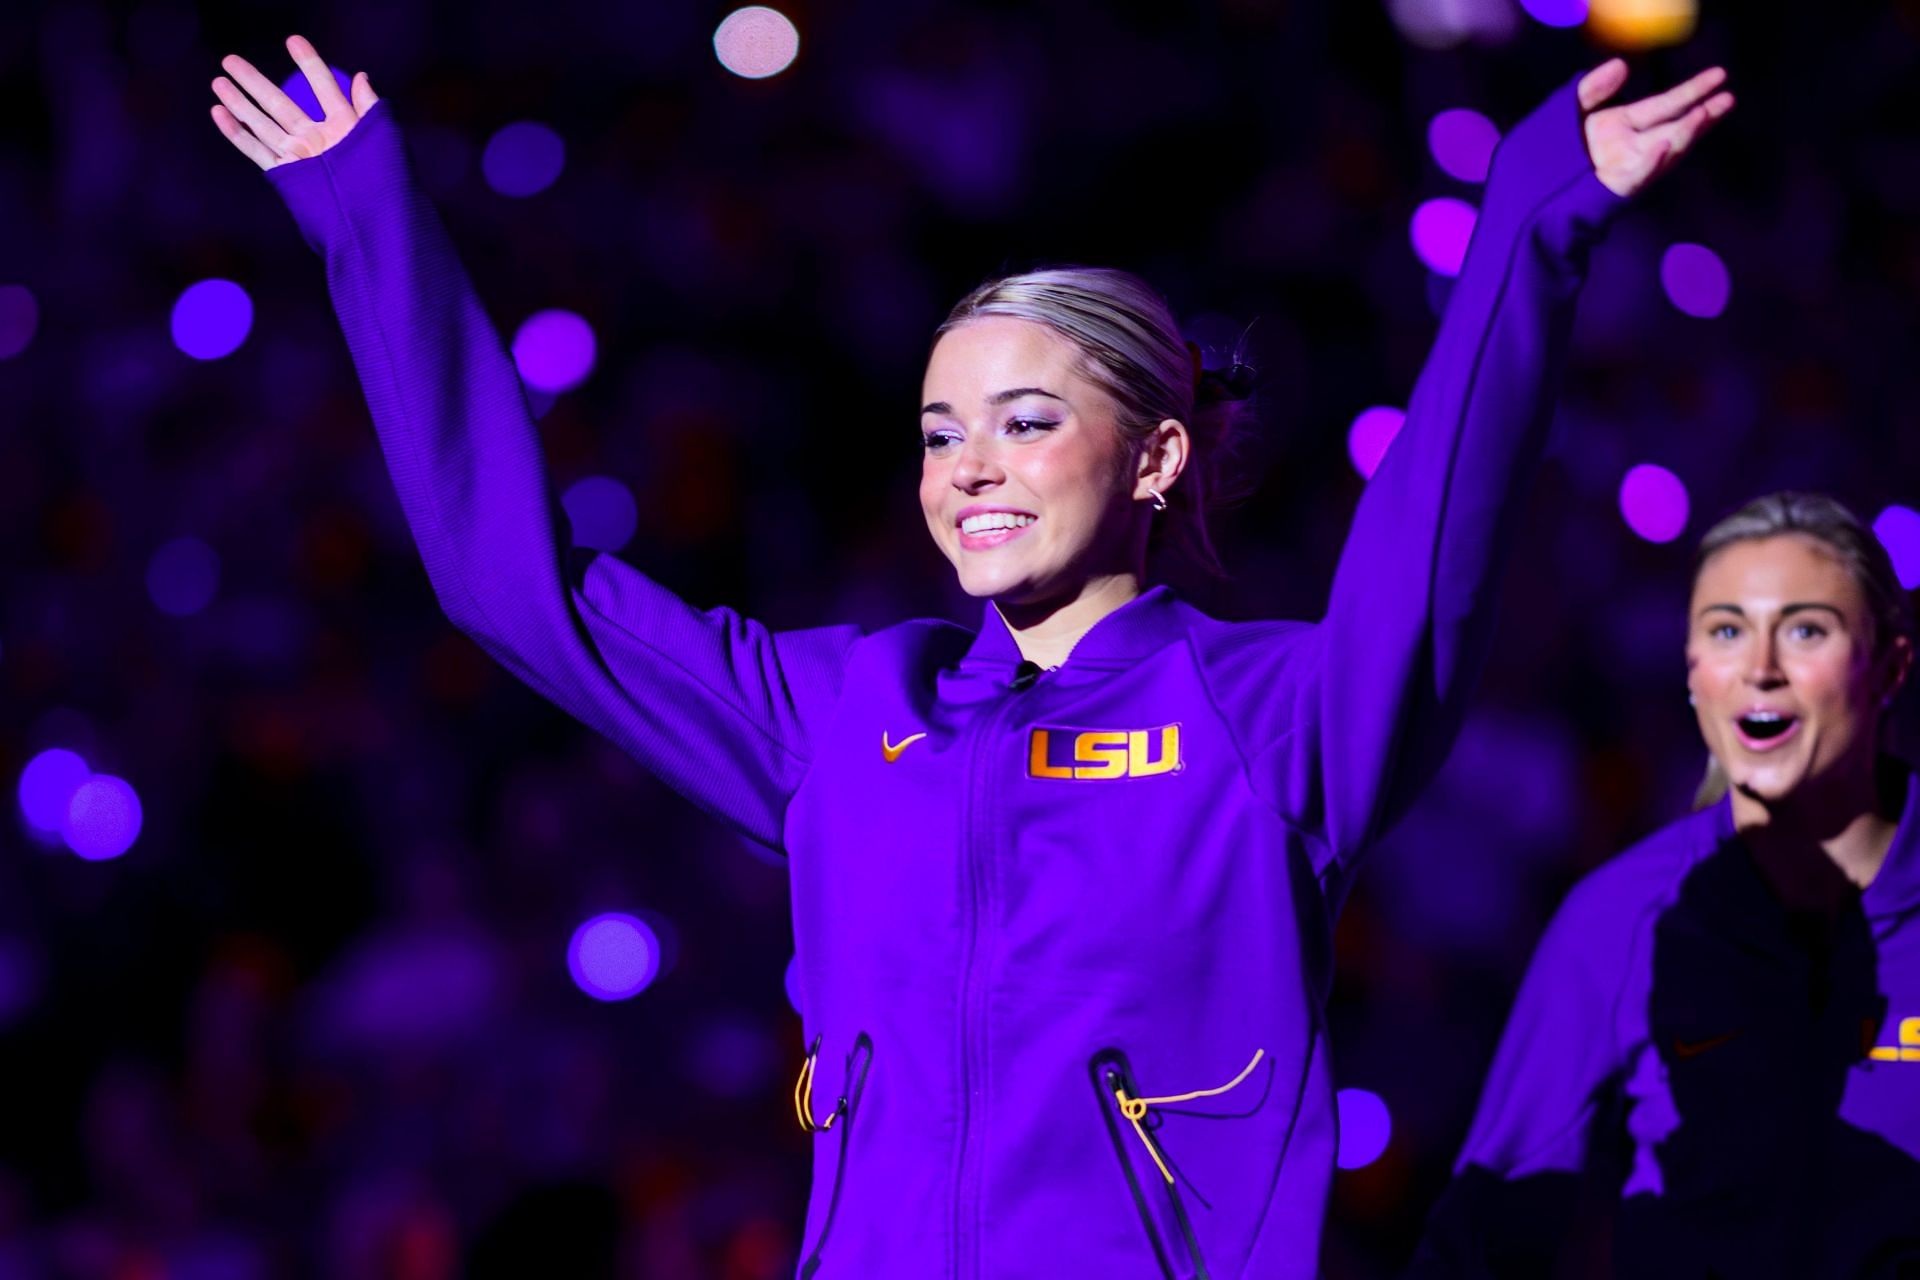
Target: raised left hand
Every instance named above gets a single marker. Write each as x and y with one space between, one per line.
1632 145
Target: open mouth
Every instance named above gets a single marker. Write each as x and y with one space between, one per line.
990 529
1764 730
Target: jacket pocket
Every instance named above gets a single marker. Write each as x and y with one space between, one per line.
1147 1168
836 1127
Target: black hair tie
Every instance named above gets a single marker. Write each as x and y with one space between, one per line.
1238 381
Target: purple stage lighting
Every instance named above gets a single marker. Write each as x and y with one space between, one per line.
1695 279
1365 1128
296 87
554 350
182 576
103 818
211 319
1653 502
756 42
1369 436
1462 143
523 159
602 512
19 318
1440 231
1898 529
47 785
1556 13
613 956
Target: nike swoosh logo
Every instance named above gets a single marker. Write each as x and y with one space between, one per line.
1694 1048
892 752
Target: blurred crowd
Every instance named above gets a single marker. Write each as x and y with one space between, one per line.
318 1020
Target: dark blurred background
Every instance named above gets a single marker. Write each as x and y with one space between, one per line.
318 1017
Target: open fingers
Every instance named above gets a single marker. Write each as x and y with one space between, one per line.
1681 133
251 147
285 111
363 95
1602 83
325 88
243 110
1675 102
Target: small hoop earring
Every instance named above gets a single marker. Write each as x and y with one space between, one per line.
1158 499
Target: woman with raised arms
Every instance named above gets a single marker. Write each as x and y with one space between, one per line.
1064 881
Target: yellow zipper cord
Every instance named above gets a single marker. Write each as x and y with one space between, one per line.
803 1097
1135 1109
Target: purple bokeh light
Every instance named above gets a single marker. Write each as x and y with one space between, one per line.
1462 143
1442 24
1365 1127
613 956
756 42
1898 529
211 319
103 818
554 350
731 1057
523 159
1440 231
791 981
1696 280
602 512
47 785
182 576
1653 502
296 87
1556 13
19 319
1370 434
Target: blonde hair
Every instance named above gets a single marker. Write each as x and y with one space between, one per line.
1829 522
1134 352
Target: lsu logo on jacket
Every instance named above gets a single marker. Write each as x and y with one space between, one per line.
1083 755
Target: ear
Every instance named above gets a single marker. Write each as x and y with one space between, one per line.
1897 663
1162 458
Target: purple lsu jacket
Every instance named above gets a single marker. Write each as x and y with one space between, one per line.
1030 922
1696 1081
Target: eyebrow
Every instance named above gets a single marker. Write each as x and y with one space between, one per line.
1799 606
998 398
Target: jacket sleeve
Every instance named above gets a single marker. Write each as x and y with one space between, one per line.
717 706
1349 719
1534 1160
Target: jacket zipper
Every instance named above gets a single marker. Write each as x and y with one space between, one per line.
1168 1227
966 1250
853 1083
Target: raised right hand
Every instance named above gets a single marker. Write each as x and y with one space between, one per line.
277 131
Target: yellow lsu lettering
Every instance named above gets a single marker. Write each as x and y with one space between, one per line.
1908 1050
1104 753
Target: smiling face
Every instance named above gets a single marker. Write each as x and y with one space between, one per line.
1781 663
1026 483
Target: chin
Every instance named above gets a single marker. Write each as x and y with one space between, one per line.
1772 782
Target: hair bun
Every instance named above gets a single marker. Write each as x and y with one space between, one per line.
1238 381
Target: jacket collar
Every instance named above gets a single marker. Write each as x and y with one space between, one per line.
1137 628
1896 889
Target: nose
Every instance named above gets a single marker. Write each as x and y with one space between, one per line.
977 468
1764 672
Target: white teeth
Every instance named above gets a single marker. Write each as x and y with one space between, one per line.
1764 717
995 520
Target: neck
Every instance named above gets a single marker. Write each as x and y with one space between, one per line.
1046 633
1822 842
